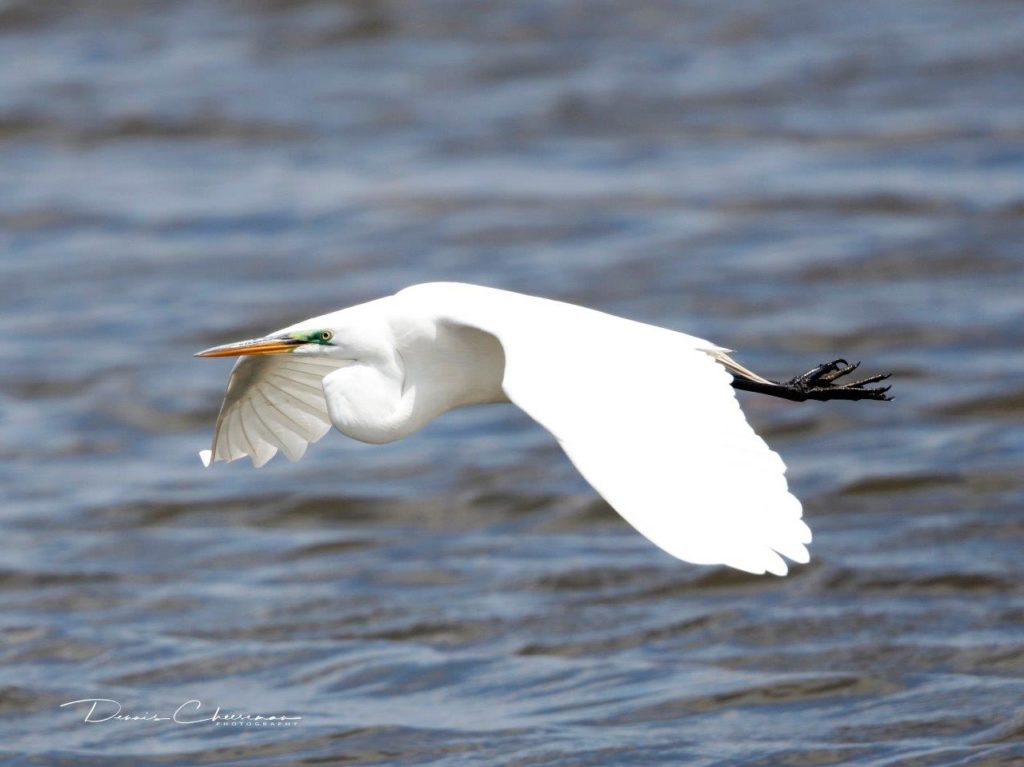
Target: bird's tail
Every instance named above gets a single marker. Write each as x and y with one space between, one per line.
736 368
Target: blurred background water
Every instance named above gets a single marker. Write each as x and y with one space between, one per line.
794 180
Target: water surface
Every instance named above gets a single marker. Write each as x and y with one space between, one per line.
793 180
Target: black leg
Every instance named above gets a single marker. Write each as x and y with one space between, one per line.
818 384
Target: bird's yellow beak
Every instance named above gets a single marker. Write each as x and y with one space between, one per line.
270 345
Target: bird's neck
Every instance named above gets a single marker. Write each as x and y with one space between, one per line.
433 370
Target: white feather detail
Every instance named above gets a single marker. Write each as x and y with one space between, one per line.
649 418
273 402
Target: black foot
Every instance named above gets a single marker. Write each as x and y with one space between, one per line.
819 384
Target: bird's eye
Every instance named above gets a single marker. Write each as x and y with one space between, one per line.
326 335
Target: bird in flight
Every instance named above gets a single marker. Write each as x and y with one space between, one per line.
646 414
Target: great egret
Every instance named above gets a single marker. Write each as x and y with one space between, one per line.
646 414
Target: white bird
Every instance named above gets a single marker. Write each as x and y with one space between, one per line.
647 415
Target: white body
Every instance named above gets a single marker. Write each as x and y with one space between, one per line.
646 414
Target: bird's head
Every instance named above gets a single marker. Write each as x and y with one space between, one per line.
319 340
358 334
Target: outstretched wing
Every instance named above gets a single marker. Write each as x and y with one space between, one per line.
272 402
649 418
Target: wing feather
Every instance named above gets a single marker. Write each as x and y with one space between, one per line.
272 403
650 419
306 379
291 434
295 386
305 401
267 444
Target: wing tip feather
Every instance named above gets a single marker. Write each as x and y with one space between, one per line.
290 414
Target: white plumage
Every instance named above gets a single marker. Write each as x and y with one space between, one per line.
271 403
646 414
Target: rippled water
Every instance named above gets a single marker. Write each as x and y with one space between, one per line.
794 180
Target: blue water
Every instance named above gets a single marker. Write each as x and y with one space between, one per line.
794 180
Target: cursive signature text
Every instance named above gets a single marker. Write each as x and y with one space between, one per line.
98 710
